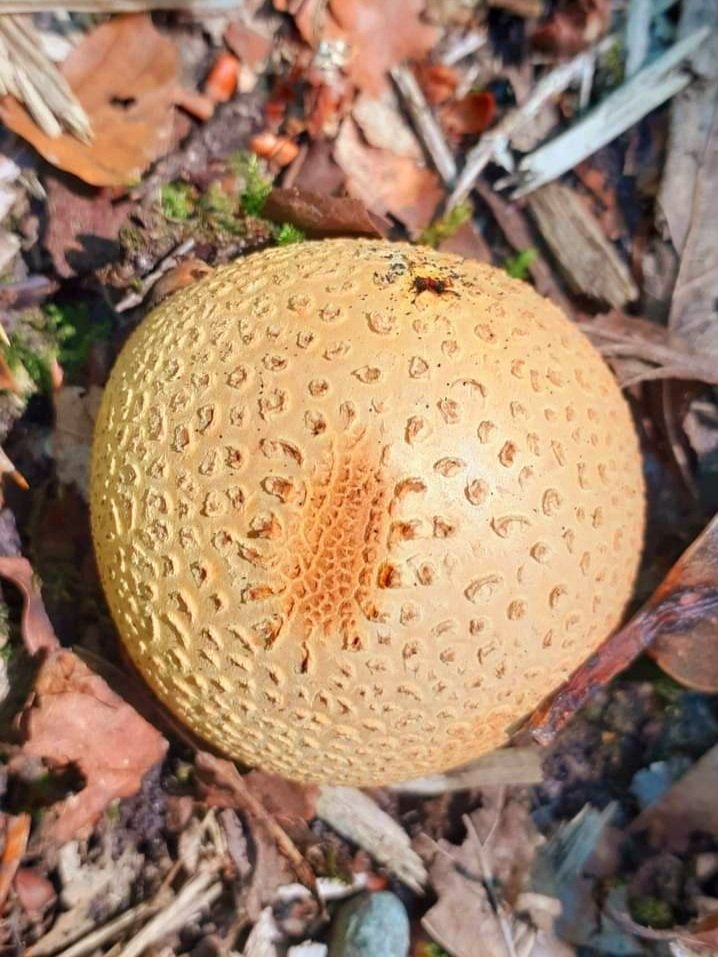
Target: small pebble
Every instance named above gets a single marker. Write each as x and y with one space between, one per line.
370 925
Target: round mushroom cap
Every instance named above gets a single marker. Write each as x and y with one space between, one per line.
359 506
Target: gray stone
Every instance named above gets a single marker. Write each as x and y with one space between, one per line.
370 925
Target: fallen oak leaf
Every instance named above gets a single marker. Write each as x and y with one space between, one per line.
319 215
125 76
385 182
17 832
684 604
37 632
69 701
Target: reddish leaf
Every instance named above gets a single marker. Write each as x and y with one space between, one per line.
387 183
319 215
437 81
73 718
33 890
221 81
470 115
37 632
251 47
279 149
287 800
82 227
124 74
680 621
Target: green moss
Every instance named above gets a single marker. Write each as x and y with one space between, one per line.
432 950
178 200
518 266
652 912
288 234
444 228
23 358
256 187
74 330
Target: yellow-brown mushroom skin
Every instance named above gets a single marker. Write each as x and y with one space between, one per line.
358 507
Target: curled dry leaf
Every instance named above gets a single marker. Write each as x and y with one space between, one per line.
470 115
73 719
37 632
385 182
319 215
124 74
679 623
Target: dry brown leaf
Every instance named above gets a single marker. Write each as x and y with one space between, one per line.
468 242
251 46
75 413
319 215
124 74
497 851
222 785
383 125
82 227
37 632
640 350
387 183
73 719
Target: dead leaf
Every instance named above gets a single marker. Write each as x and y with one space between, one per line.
34 891
75 413
223 786
677 625
251 46
381 121
437 81
17 832
319 215
692 116
387 183
693 309
278 149
470 115
574 25
37 632
314 171
188 271
468 242
640 350
82 226
73 718
124 74
497 852
287 800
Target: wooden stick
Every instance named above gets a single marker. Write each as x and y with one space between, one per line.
424 123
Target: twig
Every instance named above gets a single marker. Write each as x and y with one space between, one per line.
650 87
135 297
638 34
197 894
472 42
496 141
425 125
230 779
113 929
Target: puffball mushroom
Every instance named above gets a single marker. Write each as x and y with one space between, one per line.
359 506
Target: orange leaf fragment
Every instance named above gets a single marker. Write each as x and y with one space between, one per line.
221 83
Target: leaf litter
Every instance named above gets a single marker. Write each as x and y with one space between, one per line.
533 852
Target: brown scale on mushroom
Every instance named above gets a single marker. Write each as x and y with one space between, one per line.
350 530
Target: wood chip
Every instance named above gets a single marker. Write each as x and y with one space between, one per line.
590 263
504 766
360 819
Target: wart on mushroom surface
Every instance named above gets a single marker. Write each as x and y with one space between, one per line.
349 529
